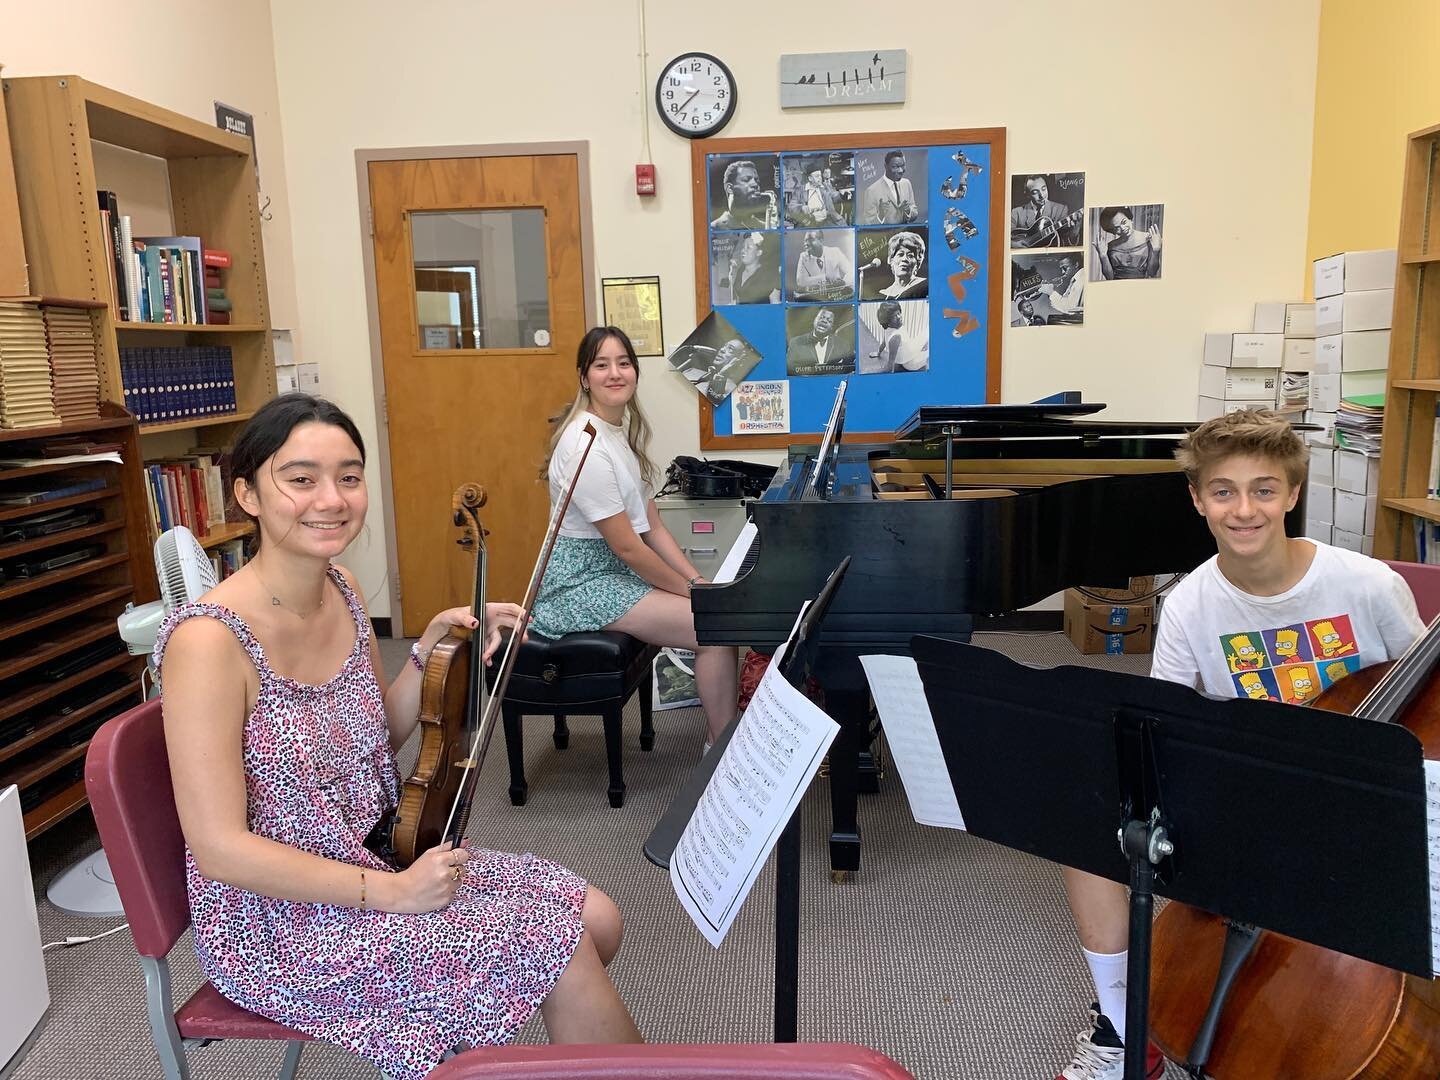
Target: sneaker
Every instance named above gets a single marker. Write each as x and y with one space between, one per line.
1100 1055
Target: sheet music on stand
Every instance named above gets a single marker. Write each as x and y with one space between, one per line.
736 555
764 772
1432 835
910 733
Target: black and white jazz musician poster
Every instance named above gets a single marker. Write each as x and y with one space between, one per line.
715 358
1047 210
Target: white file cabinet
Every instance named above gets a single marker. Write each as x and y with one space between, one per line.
704 528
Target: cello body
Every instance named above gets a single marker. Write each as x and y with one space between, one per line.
1297 1011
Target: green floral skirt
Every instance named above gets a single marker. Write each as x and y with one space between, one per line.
586 587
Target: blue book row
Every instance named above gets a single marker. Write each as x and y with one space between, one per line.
163 385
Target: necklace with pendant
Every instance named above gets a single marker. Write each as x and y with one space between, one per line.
275 601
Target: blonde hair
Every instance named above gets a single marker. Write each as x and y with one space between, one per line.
637 428
1250 432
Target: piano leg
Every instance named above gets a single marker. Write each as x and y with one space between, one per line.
850 709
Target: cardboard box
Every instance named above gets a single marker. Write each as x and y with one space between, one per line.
1350 541
1356 383
1365 270
1139 586
1329 355
308 378
1358 473
1329 315
1299 355
1325 421
1108 628
1269 319
1319 503
1324 392
1211 407
1365 350
1244 350
285 379
1322 468
1300 320
1329 276
1367 546
1355 513
1370 310
1355 271
1239 384
1318 531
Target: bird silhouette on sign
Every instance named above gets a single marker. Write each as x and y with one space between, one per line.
875 59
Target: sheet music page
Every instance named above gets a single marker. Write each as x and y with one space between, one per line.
766 769
1432 834
736 555
910 733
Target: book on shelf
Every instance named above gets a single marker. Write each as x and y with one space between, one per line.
118 246
216 258
165 385
179 492
62 489
228 557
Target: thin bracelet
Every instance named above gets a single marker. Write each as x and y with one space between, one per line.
362 888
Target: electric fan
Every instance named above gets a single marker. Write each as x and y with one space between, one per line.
88 887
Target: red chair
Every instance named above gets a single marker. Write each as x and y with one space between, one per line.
127 776
1424 582
728 1061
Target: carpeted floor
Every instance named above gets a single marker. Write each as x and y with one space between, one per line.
954 956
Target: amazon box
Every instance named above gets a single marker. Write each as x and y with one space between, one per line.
1097 627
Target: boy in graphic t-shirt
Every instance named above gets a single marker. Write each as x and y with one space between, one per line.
1270 617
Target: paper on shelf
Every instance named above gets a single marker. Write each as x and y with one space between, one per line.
736 555
765 770
910 733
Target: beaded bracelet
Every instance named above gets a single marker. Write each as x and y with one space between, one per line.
416 659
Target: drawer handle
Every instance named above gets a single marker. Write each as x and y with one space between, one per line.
704 551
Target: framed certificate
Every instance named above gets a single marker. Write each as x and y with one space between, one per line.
633 304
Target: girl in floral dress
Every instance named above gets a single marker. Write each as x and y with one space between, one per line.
281 740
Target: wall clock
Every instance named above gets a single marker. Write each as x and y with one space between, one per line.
695 95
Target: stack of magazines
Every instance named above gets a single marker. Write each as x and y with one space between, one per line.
25 390
1358 423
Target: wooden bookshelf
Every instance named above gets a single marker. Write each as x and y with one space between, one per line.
53 121
1413 382
223 534
50 618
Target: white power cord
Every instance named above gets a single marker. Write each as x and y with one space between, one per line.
70 942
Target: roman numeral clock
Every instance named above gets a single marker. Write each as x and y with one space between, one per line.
695 95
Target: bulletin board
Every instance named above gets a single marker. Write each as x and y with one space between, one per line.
937 338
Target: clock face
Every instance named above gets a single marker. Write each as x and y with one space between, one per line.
695 95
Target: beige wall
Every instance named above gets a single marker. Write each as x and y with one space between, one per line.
182 56
1210 112
1380 83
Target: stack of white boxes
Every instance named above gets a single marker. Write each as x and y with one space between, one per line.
1354 295
1241 371
1341 496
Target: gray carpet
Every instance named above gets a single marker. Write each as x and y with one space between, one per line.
954 956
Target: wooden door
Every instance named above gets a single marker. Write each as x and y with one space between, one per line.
480 288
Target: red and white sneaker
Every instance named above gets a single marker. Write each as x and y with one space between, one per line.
1100 1055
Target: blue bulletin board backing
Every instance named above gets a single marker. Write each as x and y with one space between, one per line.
949 326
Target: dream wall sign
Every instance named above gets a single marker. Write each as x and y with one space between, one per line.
874 77
877 258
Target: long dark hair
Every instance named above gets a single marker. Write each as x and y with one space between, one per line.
271 426
637 431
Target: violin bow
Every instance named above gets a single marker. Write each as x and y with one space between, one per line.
460 810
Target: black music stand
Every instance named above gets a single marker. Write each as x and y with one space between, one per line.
1308 823
799 658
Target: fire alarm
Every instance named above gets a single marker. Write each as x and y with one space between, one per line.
644 179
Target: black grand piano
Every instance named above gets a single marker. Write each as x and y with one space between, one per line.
973 510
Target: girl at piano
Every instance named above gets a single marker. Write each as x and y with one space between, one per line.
1270 616
616 566
281 736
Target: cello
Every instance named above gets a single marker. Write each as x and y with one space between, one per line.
457 713
1282 1008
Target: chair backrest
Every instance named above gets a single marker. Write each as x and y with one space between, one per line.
127 777
731 1061
1424 582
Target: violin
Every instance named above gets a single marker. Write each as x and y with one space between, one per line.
1292 1009
457 712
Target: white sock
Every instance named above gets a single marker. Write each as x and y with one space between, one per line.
1109 973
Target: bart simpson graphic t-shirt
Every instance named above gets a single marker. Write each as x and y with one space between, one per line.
1349 611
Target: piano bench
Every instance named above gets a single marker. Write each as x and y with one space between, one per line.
590 674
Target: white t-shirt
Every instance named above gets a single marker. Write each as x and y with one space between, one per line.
609 484
1349 611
